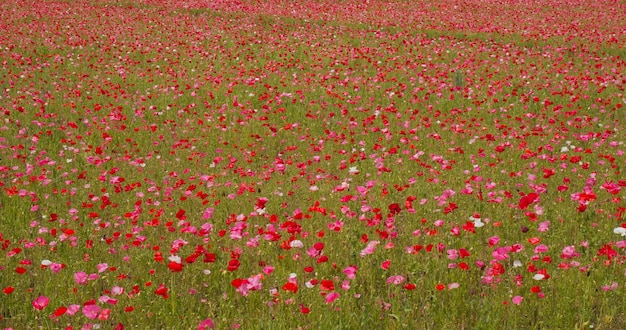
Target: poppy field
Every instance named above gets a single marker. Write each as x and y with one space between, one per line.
315 164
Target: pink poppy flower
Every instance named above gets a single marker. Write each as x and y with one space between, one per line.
206 324
41 302
396 279
541 248
102 267
350 272
91 311
72 309
55 268
569 252
80 278
331 297
369 249
543 226
117 290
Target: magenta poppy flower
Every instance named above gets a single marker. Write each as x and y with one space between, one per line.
91 311
80 278
350 272
206 324
41 302
331 297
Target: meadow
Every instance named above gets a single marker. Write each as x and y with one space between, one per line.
242 164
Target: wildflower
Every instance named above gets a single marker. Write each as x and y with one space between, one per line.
206 324
396 279
608 251
541 248
296 244
55 268
176 267
104 314
41 302
371 246
162 291
291 287
91 311
117 290
350 272
72 309
394 208
620 231
327 285
59 312
452 254
569 252
102 267
611 287
453 285
331 297
543 227
233 264
528 199
538 277
501 253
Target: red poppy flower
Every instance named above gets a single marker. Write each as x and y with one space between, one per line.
289 286
59 312
318 246
394 208
233 265
327 285
209 257
410 286
237 282
528 199
161 291
175 267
